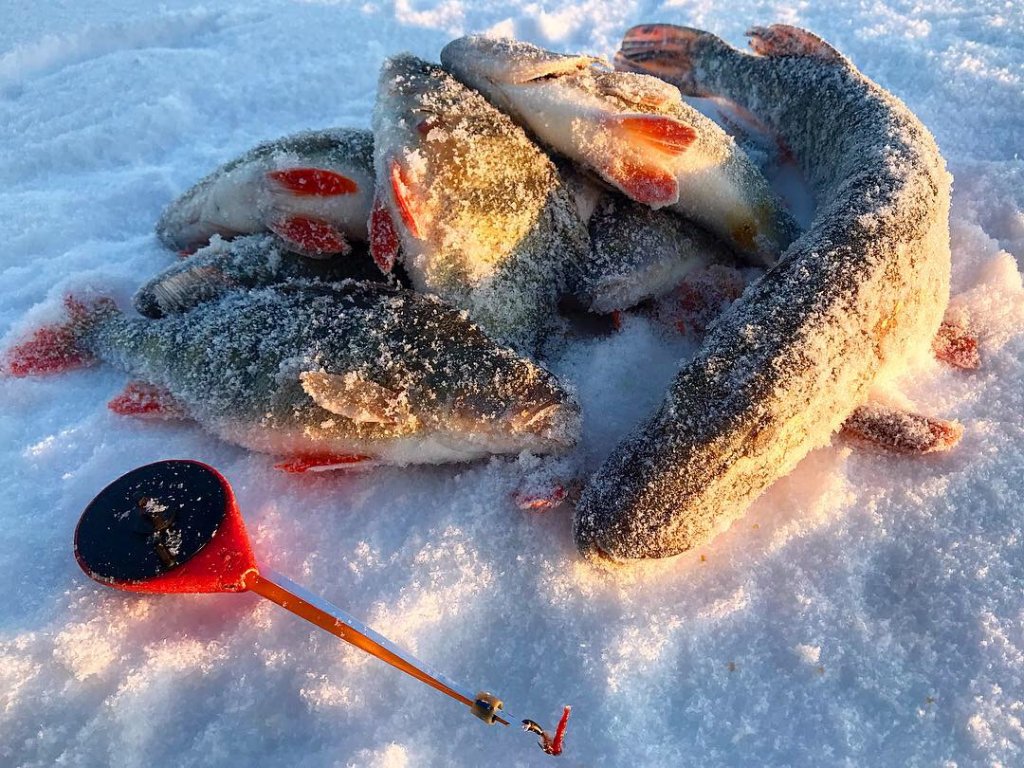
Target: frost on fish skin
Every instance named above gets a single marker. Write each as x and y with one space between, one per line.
483 216
236 366
637 253
635 132
243 197
786 364
247 262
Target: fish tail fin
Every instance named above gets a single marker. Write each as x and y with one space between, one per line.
787 40
57 347
668 52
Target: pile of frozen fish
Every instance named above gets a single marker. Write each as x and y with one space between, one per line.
350 297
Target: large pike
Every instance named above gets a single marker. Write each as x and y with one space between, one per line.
479 213
323 375
312 189
634 131
782 369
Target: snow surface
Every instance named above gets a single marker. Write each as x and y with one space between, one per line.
869 609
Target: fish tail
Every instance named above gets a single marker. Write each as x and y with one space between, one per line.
59 346
671 53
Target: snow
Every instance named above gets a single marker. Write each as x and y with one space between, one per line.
867 609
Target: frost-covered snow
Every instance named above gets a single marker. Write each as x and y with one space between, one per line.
869 609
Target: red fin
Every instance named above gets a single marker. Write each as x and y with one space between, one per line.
957 346
314 182
384 243
701 298
663 134
786 40
901 431
403 198
311 237
55 348
647 184
538 502
665 51
147 401
321 462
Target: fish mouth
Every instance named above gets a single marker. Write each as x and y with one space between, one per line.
598 556
592 549
407 76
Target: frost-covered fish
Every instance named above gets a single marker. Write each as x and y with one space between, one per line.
787 363
314 190
637 253
250 261
321 375
479 213
634 131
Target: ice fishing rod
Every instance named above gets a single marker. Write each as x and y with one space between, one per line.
174 527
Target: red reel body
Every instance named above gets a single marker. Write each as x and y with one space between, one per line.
168 527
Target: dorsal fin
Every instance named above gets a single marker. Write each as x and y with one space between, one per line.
786 40
355 397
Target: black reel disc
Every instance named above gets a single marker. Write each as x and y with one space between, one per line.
150 521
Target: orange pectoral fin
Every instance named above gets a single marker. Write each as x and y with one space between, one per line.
384 242
314 182
311 237
901 431
640 168
147 401
540 501
649 183
658 132
404 199
323 462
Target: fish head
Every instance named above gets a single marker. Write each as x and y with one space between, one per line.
524 403
496 67
511 404
478 393
490 65
460 188
414 113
